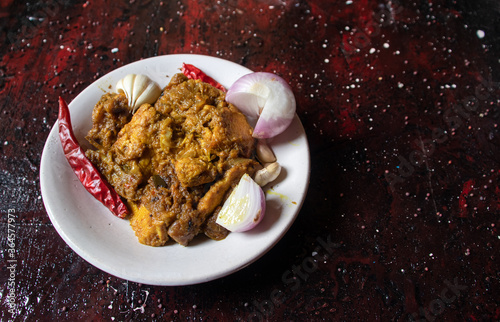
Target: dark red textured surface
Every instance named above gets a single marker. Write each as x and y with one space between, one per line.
400 102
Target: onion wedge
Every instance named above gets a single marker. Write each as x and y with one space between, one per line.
244 208
267 98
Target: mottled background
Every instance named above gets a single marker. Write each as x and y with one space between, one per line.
401 105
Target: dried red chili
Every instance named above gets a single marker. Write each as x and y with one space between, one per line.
193 72
86 172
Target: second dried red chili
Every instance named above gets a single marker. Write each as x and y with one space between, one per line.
194 72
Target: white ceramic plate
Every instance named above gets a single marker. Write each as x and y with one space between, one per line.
109 243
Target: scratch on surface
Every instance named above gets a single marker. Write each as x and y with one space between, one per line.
142 306
126 288
429 176
114 289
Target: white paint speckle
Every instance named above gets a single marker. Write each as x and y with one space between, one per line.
480 34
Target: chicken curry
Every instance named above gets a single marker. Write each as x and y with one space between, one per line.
175 162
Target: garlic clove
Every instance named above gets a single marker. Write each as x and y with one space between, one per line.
124 85
147 95
267 174
138 89
141 83
264 152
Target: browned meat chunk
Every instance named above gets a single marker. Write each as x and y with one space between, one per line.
214 230
110 114
189 224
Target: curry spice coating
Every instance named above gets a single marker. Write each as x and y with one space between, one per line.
174 162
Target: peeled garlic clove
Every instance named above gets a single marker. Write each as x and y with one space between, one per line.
267 174
138 89
264 152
